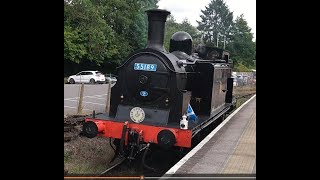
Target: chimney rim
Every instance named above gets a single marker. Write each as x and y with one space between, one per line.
159 10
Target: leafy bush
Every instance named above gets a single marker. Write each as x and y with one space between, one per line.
241 68
65 80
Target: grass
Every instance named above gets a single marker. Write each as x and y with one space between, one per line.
239 91
241 101
87 156
243 90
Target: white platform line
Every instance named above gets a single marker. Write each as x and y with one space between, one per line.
88 102
205 140
93 103
76 108
70 107
94 96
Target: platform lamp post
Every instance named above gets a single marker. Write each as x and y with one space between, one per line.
224 40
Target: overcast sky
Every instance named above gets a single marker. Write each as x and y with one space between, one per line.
191 9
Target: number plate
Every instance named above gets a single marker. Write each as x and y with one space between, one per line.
144 67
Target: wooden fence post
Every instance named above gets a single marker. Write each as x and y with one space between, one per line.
108 97
80 99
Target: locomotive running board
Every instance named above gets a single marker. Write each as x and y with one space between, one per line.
210 120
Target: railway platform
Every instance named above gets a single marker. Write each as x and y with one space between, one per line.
228 149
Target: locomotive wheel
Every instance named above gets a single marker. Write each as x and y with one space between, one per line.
92 81
71 81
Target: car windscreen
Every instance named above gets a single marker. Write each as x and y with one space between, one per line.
98 72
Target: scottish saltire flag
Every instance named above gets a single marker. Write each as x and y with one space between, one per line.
190 114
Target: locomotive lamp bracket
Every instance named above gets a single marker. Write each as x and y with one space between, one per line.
184 122
198 100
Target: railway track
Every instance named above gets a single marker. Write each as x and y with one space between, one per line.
157 165
72 126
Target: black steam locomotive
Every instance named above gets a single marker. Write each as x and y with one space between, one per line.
165 98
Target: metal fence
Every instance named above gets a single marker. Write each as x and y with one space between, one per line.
244 78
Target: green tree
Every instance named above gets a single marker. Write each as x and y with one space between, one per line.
128 19
216 18
193 31
99 34
172 26
186 26
139 27
84 25
241 68
74 49
242 48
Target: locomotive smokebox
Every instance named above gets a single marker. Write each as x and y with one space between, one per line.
156 25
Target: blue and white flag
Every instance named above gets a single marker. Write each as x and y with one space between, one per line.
190 114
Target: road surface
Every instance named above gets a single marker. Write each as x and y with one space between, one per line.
94 98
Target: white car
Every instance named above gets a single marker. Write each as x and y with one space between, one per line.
111 78
87 77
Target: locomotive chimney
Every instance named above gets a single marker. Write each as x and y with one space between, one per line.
156 25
